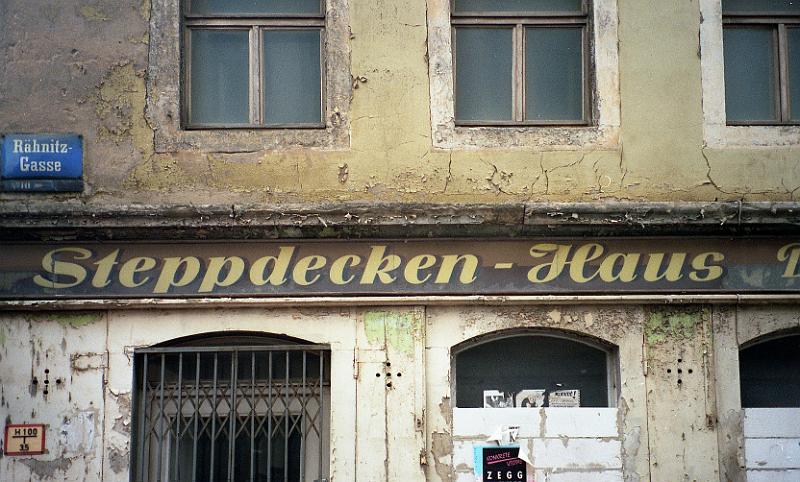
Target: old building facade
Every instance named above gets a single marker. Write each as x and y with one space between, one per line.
333 240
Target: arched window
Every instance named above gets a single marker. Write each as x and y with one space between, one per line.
770 372
534 369
238 406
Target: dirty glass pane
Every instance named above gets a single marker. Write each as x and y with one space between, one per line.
749 74
532 362
793 35
554 74
292 83
219 77
521 6
734 6
770 373
483 74
255 7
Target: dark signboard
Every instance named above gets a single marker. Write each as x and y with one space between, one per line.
503 463
42 162
406 267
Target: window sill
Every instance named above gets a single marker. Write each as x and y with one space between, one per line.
750 135
543 137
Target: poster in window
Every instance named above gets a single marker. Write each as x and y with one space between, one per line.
529 398
564 398
503 464
496 399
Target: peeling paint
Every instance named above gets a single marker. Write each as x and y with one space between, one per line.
398 329
46 469
661 326
77 319
77 433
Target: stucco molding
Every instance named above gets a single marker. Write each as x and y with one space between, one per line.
74 220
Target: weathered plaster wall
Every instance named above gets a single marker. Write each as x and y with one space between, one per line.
678 410
80 66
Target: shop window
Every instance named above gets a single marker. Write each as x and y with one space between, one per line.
236 407
253 64
761 44
520 62
770 373
533 370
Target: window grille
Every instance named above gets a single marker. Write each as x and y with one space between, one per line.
248 413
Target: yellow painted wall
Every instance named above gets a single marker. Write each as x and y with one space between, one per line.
80 67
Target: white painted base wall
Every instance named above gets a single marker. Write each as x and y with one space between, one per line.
564 444
772 444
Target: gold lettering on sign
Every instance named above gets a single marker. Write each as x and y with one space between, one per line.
63 268
555 267
655 261
627 270
417 264
700 264
791 255
171 266
280 264
304 266
215 266
380 265
584 254
468 268
339 265
104 266
130 268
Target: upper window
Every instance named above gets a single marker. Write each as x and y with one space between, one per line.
762 61
533 370
253 63
521 62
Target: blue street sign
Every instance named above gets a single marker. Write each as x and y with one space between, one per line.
42 156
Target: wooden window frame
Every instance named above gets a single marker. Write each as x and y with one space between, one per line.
255 24
778 22
519 21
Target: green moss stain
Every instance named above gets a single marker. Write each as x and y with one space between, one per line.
398 330
144 10
75 319
120 105
94 13
661 326
2 336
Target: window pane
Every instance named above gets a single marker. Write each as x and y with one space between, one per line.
732 6
518 363
255 7
219 76
793 35
483 73
554 74
770 373
749 74
538 6
292 83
